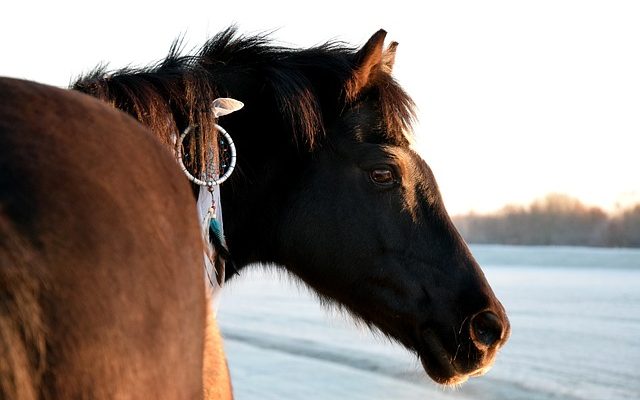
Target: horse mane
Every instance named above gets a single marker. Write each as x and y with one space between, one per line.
177 91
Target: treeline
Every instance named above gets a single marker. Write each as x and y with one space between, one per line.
554 220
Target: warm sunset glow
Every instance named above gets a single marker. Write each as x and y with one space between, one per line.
516 99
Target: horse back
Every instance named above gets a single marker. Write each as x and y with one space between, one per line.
101 286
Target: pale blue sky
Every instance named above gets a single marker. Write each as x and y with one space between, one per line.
516 99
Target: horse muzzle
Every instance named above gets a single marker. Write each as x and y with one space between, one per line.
472 351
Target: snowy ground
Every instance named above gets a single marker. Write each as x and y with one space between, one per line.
575 316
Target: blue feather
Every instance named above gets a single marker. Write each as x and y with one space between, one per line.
220 245
215 227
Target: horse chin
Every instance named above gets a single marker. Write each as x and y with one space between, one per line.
441 376
437 363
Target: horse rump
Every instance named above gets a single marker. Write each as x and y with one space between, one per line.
22 329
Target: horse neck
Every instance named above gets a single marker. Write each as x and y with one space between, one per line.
254 198
269 157
165 101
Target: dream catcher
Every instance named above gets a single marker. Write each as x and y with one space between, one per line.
220 163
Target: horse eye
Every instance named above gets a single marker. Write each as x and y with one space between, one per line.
382 176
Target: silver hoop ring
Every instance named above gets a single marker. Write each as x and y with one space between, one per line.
212 182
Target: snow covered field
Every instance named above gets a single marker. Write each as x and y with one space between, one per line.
575 317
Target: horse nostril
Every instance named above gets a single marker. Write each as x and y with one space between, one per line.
486 329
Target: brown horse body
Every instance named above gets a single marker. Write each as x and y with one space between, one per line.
101 284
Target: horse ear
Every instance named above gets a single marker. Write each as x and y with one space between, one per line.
389 57
367 60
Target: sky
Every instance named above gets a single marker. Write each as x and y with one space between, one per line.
516 99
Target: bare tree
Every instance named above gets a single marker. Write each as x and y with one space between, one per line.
556 219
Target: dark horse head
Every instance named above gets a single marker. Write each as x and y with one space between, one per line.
328 186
